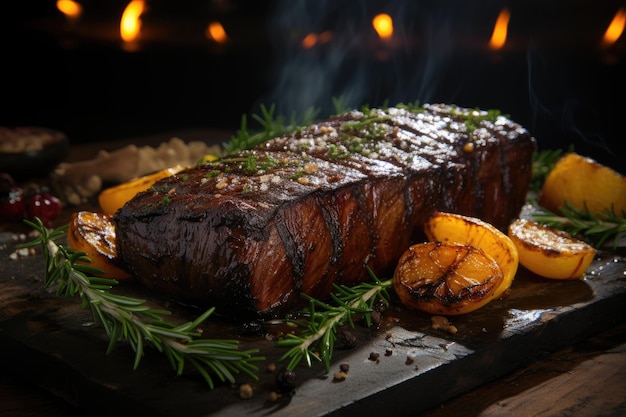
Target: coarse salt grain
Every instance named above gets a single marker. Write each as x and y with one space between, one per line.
21 253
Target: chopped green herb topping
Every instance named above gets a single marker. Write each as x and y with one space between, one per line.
268 163
213 173
473 119
161 189
298 174
414 107
337 152
366 125
250 164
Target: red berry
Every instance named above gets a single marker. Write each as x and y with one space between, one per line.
12 206
44 206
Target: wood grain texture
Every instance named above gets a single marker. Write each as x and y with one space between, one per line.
586 379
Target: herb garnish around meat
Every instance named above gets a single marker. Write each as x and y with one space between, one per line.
473 118
595 228
272 126
131 320
542 163
319 333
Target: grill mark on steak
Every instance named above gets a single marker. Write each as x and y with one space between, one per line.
302 212
294 255
356 229
331 220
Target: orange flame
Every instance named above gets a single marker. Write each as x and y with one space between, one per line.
615 29
70 8
325 37
215 31
383 25
130 24
500 29
312 39
309 40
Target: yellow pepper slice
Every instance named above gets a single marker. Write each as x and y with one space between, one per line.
111 199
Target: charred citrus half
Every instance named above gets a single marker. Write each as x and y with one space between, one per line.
581 181
94 234
450 227
549 252
111 199
446 278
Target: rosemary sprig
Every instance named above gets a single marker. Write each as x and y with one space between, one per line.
272 125
594 227
318 335
129 319
542 163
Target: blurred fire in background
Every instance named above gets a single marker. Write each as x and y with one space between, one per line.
500 30
102 70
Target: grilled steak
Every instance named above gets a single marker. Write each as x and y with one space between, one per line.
250 232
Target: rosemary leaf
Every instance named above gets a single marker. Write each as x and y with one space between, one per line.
130 320
271 126
542 163
317 337
595 228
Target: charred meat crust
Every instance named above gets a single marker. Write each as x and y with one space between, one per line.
250 232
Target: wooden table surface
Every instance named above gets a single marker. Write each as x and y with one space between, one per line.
587 378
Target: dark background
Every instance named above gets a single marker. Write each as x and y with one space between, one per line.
553 76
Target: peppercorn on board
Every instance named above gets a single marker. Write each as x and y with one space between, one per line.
53 342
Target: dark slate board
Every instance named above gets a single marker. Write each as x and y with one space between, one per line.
53 342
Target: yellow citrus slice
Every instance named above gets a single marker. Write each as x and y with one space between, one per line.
550 253
580 180
446 278
94 234
111 199
450 227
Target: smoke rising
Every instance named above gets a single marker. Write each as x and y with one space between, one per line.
355 64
